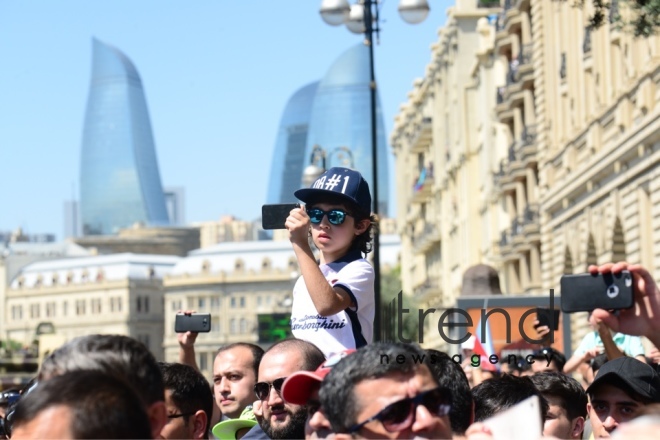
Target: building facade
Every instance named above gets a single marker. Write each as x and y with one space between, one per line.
289 159
119 178
444 141
530 145
340 127
110 294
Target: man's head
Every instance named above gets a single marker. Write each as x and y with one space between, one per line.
117 355
189 402
281 419
384 391
548 359
234 374
450 374
620 391
493 396
81 405
302 388
567 404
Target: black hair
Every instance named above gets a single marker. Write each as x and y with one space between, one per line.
257 353
372 361
450 374
119 355
568 390
102 405
191 392
598 362
495 395
556 355
313 357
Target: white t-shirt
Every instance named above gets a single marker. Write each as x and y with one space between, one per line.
350 328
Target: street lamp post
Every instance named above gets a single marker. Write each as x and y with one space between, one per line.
362 18
320 157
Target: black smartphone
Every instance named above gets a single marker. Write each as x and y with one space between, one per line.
196 322
548 317
274 216
586 292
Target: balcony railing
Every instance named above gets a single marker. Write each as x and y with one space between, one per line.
528 135
500 23
425 239
511 76
488 3
586 44
500 95
525 55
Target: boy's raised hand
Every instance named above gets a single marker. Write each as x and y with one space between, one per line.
297 223
643 319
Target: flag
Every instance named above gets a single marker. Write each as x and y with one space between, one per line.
484 348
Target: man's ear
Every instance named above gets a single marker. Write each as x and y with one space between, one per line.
199 424
578 427
157 413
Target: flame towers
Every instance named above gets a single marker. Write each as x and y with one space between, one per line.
333 114
120 181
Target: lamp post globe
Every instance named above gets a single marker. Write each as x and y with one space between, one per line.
311 173
355 22
413 11
335 12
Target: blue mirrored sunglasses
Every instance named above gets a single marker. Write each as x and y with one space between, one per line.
335 216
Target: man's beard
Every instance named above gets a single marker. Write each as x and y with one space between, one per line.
294 427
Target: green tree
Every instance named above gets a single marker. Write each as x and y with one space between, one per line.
390 287
644 20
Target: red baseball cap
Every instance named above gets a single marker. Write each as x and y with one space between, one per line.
298 387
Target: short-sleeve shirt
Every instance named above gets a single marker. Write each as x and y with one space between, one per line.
629 345
350 328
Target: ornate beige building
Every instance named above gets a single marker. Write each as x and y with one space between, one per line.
113 294
531 145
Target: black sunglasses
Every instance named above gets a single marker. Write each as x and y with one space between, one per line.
335 216
262 389
401 414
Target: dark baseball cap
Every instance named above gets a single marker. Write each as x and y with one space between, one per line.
640 377
340 183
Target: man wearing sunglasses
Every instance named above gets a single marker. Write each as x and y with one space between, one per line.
386 390
279 419
189 402
333 300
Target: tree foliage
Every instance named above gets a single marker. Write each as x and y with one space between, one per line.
390 286
644 21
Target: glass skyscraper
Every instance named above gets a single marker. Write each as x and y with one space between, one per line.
119 178
289 157
339 120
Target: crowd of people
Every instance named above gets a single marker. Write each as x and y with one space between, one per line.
111 386
331 380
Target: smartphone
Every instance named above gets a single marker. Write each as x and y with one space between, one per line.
196 322
586 292
548 317
274 216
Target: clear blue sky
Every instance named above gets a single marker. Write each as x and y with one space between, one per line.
216 73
